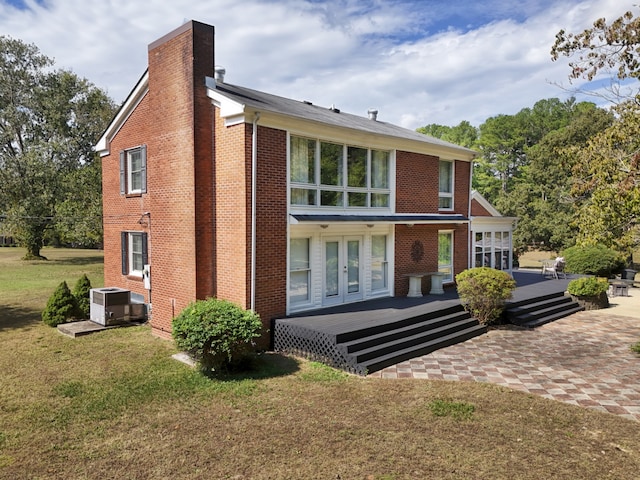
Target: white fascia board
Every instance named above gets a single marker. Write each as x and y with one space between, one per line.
127 108
493 220
309 128
232 111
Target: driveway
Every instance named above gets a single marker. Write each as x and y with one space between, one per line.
583 359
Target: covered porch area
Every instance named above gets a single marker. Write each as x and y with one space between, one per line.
367 336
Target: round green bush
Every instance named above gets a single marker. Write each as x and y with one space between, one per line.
483 291
595 260
60 306
216 333
588 287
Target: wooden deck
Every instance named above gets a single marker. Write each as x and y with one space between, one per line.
329 335
339 319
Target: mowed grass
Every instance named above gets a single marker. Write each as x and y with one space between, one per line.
116 405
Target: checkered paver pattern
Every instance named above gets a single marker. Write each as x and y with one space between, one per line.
583 360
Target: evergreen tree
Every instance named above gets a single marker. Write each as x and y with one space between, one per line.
60 306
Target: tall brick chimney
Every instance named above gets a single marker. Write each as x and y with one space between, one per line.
180 171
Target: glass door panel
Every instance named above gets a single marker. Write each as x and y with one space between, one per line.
342 270
353 266
445 255
332 270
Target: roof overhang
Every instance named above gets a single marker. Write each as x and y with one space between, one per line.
127 108
397 219
234 112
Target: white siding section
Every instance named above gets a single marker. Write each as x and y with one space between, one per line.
317 234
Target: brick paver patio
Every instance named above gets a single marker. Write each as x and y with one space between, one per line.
583 360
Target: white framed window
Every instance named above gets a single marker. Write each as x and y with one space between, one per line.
134 252
445 190
299 271
492 249
445 255
482 248
133 170
325 174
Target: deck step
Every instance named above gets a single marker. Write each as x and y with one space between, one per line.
406 321
383 361
538 305
550 318
536 311
408 341
395 333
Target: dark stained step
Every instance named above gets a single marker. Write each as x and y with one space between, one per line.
409 341
396 333
383 361
538 311
404 319
550 318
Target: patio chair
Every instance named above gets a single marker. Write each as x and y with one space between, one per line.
556 268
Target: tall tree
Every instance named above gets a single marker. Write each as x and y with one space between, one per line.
607 187
463 134
542 194
504 142
49 121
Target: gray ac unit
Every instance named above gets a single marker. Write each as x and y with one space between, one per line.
110 306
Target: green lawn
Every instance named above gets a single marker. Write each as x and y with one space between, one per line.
115 405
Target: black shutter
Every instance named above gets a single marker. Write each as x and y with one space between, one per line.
123 172
143 168
125 254
145 249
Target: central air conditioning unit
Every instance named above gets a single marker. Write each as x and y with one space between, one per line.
110 306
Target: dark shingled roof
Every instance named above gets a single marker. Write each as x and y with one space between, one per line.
261 101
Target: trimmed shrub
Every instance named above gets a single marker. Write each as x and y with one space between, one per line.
483 291
589 292
218 334
60 306
595 260
588 286
81 295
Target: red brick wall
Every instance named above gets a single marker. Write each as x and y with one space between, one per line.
462 187
232 209
478 210
416 183
417 178
120 212
271 261
405 238
179 171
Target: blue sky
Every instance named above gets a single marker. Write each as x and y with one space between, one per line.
416 61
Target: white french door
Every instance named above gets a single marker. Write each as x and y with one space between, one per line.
342 277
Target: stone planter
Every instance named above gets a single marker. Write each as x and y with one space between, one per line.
595 302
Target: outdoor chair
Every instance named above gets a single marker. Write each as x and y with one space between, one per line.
555 268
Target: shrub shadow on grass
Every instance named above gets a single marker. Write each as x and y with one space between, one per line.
75 260
17 317
257 367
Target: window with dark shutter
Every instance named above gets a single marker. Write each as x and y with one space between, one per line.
123 172
133 170
124 241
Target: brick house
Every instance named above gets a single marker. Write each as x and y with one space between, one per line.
282 206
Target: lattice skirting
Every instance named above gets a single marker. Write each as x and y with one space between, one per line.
304 342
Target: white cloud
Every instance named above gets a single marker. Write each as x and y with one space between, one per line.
352 53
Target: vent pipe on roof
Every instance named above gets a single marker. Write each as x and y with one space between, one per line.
373 114
219 74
